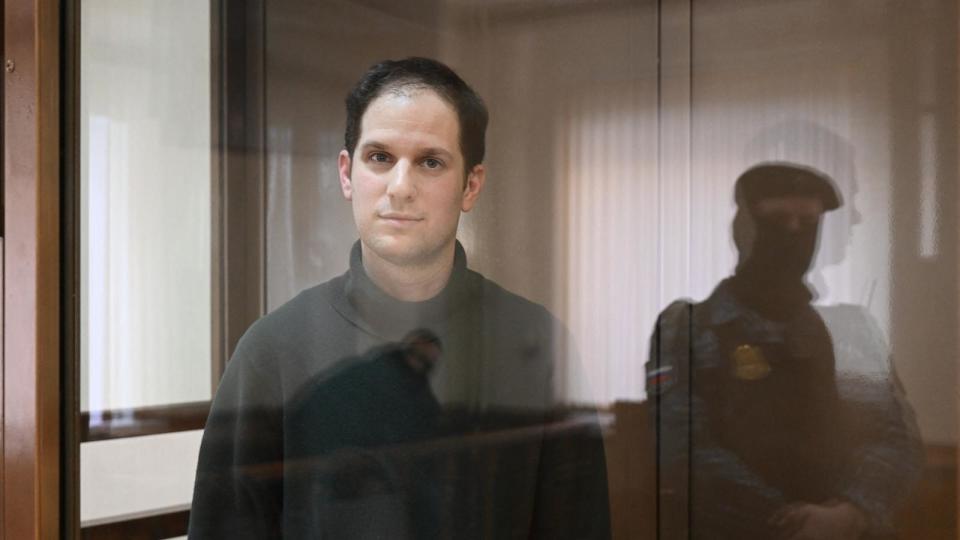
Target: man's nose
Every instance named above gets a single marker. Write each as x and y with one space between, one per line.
402 184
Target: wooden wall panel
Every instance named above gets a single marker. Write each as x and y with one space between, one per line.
31 290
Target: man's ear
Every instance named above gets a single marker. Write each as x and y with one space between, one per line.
344 164
473 186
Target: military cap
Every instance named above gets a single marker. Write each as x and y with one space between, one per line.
780 179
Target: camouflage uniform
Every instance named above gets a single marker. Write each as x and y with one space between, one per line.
754 414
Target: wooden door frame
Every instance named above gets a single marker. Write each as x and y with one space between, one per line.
30 435
39 429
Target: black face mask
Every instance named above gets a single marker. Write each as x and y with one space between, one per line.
773 262
780 255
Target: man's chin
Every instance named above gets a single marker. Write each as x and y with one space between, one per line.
401 251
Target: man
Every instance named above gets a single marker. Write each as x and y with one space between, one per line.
760 434
409 397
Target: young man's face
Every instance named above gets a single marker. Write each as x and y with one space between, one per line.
406 178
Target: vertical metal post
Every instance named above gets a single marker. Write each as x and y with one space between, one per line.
675 123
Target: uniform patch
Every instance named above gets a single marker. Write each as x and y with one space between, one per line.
749 363
660 380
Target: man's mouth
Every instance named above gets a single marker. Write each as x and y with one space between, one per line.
397 218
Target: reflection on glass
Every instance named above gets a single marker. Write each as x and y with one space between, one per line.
776 419
929 210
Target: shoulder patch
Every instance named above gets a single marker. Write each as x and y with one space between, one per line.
660 380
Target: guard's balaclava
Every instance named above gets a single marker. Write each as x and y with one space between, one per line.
771 253
773 257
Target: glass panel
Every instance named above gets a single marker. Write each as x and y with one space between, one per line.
145 226
685 351
146 194
809 390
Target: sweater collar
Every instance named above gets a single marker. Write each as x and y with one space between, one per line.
371 308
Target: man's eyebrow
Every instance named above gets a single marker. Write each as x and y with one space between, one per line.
429 151
376 145
437 151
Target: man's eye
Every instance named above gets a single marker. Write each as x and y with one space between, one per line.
432 163
379 157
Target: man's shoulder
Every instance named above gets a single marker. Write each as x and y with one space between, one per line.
677 319
296 318
682 334
678 312
508 307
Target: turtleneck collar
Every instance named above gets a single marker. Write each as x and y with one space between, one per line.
369 307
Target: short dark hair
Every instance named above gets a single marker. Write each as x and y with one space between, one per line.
417 72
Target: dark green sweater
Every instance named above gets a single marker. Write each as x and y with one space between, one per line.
323 428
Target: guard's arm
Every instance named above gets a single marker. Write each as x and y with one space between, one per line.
887 457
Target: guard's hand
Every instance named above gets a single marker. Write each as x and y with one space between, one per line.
831 521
